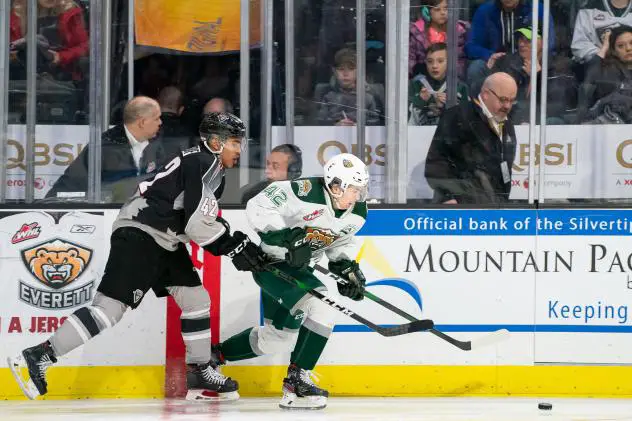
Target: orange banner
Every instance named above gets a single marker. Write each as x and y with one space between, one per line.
194 26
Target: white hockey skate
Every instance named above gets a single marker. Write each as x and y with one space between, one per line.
204 383
300 392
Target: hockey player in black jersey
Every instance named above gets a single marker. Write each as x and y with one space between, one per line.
178 205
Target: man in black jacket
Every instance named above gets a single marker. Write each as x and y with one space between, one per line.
128 154
473 148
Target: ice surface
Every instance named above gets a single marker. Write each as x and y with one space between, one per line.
266 409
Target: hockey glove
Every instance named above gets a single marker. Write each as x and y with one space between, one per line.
350 271
299 252
246 256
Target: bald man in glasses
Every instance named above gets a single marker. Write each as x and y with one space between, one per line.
473 148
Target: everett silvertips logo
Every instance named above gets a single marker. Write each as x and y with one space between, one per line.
56 264
304 187
26 232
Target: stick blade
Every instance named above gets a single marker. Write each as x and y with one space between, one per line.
490 339
421 325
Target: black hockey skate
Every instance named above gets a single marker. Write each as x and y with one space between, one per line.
300 392
36 359
205 383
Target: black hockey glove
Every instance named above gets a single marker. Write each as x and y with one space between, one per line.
246 255
299 252
350 271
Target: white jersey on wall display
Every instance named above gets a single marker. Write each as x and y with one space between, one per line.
52 263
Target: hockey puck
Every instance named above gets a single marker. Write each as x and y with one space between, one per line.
545 406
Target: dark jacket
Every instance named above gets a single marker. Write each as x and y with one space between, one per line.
175 135
251 190
603 78
493 29
464 159
117 165
427 113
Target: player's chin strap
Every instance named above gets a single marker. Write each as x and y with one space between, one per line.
488 339
414 326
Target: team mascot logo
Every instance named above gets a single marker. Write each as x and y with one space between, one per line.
57 263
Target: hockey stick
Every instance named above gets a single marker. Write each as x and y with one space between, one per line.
489 339
414 326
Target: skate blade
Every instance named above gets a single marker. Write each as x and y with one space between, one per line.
200 395
16 365
291 401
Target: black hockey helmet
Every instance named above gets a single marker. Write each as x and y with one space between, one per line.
224 125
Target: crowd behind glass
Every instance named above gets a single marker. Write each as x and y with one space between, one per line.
589 77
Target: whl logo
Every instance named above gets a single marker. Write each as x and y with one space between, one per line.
26 232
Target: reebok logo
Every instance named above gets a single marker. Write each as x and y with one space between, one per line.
82 229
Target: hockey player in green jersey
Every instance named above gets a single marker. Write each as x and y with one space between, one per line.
299 221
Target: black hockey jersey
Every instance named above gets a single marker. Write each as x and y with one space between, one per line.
179 203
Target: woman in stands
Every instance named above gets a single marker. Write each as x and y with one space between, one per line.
608 85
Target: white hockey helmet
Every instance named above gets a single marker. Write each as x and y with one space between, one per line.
347 170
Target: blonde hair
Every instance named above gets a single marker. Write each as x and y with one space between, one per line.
20 9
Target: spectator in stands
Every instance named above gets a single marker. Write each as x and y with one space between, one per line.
518 65
492 32
427 94
336 100
285 162
473 148
62 36
217 105
431 28
609 81
174 134
128 154
171 101
594 21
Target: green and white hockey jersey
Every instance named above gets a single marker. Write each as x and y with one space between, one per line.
305 203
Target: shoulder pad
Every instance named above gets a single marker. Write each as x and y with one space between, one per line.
309 189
